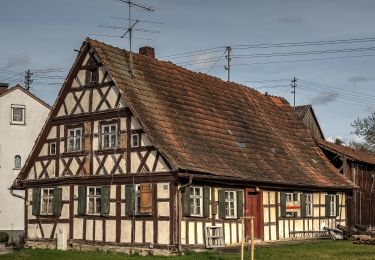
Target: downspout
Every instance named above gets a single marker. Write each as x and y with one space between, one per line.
180 210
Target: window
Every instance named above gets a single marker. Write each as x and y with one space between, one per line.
18 114
93 76
143 199
196 201
292 204
332 205
17 162
109 136
46 201
94 200
135 140
309 205
52 148
230 204
74 139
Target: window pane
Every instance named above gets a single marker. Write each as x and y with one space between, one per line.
18 114
98 205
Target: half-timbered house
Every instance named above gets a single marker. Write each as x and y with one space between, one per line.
357 166
140 153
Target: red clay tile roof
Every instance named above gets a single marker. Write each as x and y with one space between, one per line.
349 153
201 123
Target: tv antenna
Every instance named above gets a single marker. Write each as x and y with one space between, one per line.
131 24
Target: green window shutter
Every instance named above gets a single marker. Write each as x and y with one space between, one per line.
36 201
57 201
283 204
129 200
239 204
105 200
82 200
337 205
221 203
303 205
327 205
206 202
186 202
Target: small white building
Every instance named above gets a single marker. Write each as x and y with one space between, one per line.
22 116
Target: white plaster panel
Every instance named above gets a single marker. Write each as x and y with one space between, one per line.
134 124
145 141
149 232
134 161
183 232
234 233
47 229
163 209
52 133
227 233
163 232
199 233
110 231
126 231
89 229
163 190
98 230
138 231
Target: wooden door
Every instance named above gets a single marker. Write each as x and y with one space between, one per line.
254 207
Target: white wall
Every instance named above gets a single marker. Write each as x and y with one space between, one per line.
16 140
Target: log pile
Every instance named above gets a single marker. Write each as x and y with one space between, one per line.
359 234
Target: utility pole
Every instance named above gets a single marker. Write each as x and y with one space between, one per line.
28 79
228 49
294 85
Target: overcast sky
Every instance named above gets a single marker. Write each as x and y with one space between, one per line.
336 78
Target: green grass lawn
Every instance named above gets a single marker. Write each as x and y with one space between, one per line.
316 250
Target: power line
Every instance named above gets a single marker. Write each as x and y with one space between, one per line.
216 62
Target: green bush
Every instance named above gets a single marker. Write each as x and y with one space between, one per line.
4 237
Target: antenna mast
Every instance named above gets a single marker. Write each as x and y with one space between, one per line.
131 26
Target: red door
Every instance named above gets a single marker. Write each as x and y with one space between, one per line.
254 207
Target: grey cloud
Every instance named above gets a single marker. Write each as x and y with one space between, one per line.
293 20
357 79
17 60
325 98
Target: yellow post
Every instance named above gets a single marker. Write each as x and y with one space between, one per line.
243 239
252 238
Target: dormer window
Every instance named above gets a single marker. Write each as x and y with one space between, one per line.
18 114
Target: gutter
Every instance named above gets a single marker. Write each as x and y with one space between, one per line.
182 187
16 195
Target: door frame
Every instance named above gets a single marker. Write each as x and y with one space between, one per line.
260 213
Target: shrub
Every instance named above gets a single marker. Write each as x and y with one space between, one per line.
4 237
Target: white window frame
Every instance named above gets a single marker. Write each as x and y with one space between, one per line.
51 152
23 109
132 140
309 204
17 167
91 73
230 203
75 138
46 199
332 204
111 135
96 199
291 197
195 199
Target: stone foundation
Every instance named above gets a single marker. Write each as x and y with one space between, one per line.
92 246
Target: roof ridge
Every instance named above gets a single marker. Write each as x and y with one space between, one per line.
236 84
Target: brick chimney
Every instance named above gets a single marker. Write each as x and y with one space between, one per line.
147 51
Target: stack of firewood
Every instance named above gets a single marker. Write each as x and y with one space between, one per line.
359 234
